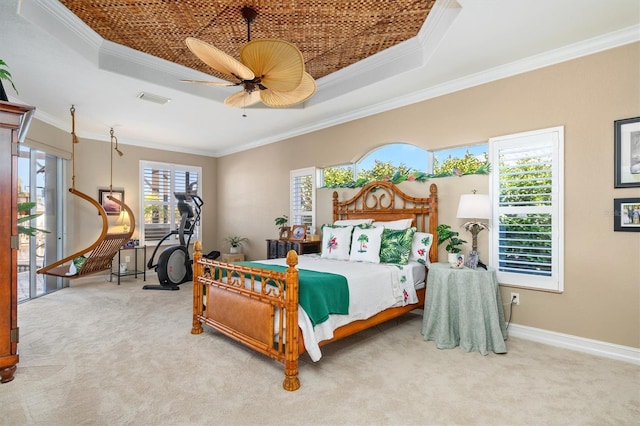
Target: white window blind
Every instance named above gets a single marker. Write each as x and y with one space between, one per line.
527 194
303 198
159 183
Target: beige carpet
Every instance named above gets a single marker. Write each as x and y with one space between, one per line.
98 353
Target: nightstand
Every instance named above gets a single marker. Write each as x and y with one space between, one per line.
232 257
463 307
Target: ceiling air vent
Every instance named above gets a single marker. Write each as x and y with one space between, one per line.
153 98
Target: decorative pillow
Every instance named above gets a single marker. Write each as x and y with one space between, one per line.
420 247
395 224
347 222
396 245
365 244
336 242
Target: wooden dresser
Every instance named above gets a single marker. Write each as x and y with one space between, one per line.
14 121
277 249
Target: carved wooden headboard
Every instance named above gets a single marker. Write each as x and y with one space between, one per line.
383 201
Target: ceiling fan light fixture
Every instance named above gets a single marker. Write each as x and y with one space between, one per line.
269 70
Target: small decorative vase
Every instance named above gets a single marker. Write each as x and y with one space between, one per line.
234 249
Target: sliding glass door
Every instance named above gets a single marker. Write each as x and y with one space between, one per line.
39 182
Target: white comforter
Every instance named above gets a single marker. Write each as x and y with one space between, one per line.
372 289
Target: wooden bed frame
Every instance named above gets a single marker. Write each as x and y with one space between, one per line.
248 314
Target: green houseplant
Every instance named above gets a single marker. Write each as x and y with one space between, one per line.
5 75
235 243
450 237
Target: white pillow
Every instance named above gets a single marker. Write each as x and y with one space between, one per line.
397 225
420 247
354 222
336 242
365 244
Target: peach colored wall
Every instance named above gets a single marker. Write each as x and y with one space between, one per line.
585 95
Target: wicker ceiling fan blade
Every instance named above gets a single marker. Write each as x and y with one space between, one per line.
278 63
212 83
304 91
242 99
218 60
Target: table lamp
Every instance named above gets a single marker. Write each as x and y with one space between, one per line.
123 220
474 206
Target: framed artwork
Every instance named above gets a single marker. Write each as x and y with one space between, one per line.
627 153
111 208
298 232
284 233
626 214
472 260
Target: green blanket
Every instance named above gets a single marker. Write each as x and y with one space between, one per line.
319 293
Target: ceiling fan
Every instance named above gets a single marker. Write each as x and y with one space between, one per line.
270 71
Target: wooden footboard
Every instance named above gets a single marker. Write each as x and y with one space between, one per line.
247 304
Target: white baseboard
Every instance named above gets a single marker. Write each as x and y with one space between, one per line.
580 344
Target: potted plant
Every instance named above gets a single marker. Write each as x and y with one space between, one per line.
5 75
281 222
236 243
446 234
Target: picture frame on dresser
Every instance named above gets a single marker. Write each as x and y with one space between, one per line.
284 233
627 153
298 233
626 214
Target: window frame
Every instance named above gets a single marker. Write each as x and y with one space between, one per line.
293 213
172 203
553 137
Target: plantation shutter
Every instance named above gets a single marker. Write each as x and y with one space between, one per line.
159 205
527 196
303 198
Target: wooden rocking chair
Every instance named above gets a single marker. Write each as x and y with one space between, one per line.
100 253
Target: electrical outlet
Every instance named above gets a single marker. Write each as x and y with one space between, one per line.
515 298
127 259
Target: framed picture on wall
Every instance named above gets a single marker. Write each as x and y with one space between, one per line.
298 233
626 214
111 208
627 152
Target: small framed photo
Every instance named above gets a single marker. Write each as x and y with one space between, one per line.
298 233
626 214
627 153
284 233
111 208
472 260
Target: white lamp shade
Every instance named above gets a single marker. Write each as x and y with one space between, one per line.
474 206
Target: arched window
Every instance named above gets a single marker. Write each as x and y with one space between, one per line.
399 161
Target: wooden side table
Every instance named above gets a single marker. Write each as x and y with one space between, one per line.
463 307
232 257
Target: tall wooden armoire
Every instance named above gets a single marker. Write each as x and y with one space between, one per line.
14 122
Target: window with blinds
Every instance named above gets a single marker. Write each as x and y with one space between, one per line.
159 206
303 198
527 195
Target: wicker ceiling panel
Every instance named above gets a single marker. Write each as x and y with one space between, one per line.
330 34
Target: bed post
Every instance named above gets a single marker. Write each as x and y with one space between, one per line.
433 221
291 380
196 326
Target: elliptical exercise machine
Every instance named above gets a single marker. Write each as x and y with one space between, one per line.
174 265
